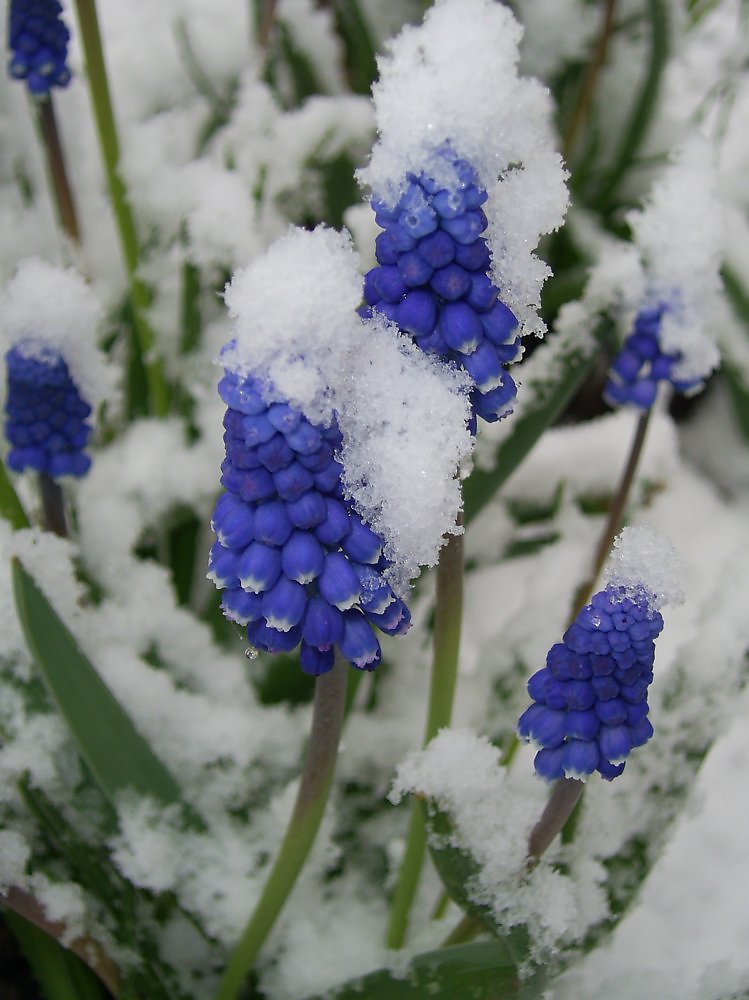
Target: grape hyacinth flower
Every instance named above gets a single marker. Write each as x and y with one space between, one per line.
38 39
295 561
590 701
55 373
433 280
46 417
643 363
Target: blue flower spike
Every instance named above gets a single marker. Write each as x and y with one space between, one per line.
590 701
643 364
296 563
46 417
38 42
433 280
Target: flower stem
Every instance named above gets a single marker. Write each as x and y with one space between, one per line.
616 511
447 623
110 148
53 505
47 120
314 787
585 99
563 799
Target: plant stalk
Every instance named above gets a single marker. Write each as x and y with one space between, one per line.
110 148
53 505
588 89
58 174
314 788
447 625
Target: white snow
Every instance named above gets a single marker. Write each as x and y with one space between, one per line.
644 558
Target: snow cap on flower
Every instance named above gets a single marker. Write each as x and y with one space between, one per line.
453 83
38 41
679 237
402 416
55 372
590 707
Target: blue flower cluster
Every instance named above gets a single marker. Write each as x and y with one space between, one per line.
642 364
296 562
38 40
590 705
433 281
45 415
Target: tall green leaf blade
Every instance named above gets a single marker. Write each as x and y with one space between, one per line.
361 60
548 397
60 974
10 506
114 750
481 970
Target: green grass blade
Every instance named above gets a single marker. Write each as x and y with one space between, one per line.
10 506
361 62
546 398
737 386
60 974
116 753
644 108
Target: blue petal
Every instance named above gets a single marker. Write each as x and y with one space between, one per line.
359 644
362 544
322 625
258 567
315 661
302 558
272 525
284 604
339 584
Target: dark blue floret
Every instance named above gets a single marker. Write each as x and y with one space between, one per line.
590 704
296 563
38 42
46 418
641 365
433 281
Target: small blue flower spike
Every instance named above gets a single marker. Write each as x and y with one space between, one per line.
295 561
642 364
433 282
46 418
38 41
590 707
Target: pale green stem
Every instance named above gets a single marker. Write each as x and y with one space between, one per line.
447 623
110 149
314 787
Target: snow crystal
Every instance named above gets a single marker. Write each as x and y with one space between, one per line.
642 557
47 307
14 853
459 72
403 416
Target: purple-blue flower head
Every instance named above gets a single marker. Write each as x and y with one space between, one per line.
590 701
38 41
590 706
296 563
46 418
432 279
642 364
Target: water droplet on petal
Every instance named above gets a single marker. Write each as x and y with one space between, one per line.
251 653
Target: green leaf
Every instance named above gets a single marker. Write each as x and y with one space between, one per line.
544 400
117 755
481 970
10 506
361 63
644 108
59 973
737 387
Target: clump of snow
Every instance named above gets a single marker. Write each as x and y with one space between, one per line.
293 308
403 416
679 234
14 853
492 815
454 80
45 308
644 558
